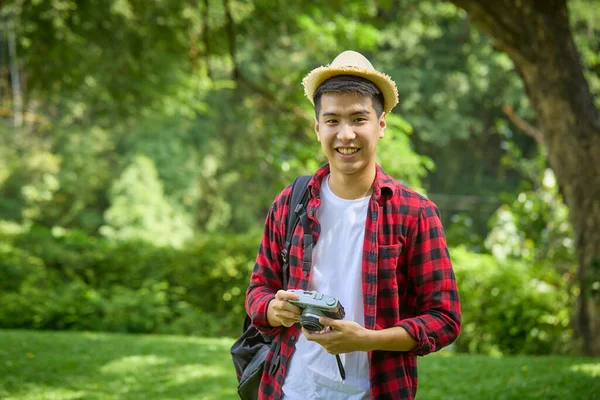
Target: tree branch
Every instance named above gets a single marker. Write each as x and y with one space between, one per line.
523 125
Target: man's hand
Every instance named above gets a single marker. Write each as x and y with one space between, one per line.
342 337
281 312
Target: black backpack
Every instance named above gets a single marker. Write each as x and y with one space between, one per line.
249 351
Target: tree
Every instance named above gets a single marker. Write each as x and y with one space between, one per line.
537 36
140 210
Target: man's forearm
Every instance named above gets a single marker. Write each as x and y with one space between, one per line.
391 339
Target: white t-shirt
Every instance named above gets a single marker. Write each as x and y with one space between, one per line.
336 271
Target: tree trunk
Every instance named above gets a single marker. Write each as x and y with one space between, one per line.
537 37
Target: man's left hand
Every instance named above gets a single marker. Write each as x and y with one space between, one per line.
341 337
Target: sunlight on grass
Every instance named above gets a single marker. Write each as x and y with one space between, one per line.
589 369
134 363
43 392
193 372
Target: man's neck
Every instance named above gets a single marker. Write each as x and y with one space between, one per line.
351 187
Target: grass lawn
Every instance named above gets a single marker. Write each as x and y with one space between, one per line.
92 366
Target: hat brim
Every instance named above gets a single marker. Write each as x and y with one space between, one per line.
319 75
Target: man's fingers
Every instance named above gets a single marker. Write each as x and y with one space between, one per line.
285 295
292 316
284 306
334 323
309 335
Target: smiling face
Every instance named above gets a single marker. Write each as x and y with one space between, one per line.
348 129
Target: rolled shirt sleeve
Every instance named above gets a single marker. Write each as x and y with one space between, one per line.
438 319
266 278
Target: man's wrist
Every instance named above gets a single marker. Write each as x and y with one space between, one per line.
370 340
391 339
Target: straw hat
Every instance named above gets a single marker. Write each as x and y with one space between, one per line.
352 63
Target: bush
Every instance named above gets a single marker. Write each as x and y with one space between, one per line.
66 281
138 310
510 307
69 281
23 278
215 274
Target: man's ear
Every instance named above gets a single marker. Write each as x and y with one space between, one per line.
382 125
317 130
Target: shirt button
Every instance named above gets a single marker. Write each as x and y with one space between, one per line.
293 337
311 212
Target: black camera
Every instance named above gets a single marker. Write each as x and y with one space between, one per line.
315 305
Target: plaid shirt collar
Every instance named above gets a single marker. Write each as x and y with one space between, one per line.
382 184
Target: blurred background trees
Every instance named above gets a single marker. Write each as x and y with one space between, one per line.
142 142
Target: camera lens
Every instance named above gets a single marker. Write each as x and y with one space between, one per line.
310 320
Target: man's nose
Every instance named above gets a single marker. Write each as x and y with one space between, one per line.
346 132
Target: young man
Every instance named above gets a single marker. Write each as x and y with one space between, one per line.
380 250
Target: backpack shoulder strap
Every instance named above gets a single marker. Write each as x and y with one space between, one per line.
297 202
298 199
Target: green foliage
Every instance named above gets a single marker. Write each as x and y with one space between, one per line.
145 309
211 93
66 280
30 184
460 230
23 277
535 226
215 272
140 211
511 307
452 86
93 58
83 176
396 156
585 23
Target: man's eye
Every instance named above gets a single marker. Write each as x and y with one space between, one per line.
331 121
361 119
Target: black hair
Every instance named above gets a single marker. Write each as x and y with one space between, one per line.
349 84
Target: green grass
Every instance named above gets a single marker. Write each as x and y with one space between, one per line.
91 366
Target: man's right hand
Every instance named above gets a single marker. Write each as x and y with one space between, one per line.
281 312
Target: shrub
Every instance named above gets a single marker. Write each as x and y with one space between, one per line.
215 273
510 307
71 281
66 280
138 310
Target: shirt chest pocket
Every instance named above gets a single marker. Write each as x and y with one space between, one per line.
387 266
388 284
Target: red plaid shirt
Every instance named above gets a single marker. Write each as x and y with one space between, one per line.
408 281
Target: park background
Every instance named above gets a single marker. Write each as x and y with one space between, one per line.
142 143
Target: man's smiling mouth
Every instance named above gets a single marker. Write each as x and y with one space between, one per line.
347 150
